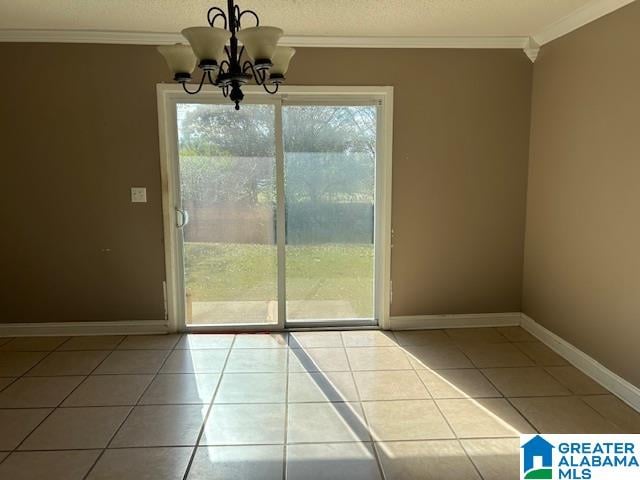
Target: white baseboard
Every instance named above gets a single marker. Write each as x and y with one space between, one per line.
614 383
465 320
127 327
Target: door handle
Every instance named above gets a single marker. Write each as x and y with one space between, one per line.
182 218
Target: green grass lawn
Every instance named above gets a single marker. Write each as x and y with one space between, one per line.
228 272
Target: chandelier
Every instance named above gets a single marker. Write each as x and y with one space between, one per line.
223 63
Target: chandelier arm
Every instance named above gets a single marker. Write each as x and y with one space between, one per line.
222 65
250 12
211 81
247 66
259 75
236 16
219 13
266 89
184 85
225 91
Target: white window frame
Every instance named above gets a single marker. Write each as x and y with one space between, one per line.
168 95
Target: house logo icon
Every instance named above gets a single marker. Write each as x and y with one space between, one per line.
537 460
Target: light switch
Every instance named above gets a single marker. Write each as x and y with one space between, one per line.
138 195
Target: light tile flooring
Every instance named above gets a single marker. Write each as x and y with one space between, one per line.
434 405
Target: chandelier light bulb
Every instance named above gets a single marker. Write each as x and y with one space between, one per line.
207 44
281 59
180 59
260 42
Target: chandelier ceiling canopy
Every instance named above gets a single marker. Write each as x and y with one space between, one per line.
223 62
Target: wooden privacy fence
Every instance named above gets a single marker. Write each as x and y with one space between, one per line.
307 223
231 223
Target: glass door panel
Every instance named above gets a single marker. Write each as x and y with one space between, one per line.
227 171
329 168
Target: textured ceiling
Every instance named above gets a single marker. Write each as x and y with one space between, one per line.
299 17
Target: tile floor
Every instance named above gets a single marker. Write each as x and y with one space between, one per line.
429 405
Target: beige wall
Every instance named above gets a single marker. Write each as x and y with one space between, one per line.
582 261
79 127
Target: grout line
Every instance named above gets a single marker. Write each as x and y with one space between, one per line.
53 409
50 375
509 401
521 413
530 357
286 413
343 442
131 408
302 371
306 402
206 416
359 420
477 469
13 380
36 364
364 415
545 368
34 351
600 414
142 447
314 442
60 346
456 436
308 371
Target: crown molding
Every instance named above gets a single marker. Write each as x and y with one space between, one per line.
89 36
406 42
578 18
160 38
532 49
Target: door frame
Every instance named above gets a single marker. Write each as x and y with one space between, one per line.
168 95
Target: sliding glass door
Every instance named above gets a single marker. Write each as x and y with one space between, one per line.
276 214
227 171
330 165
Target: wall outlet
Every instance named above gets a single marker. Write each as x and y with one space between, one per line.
138 195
